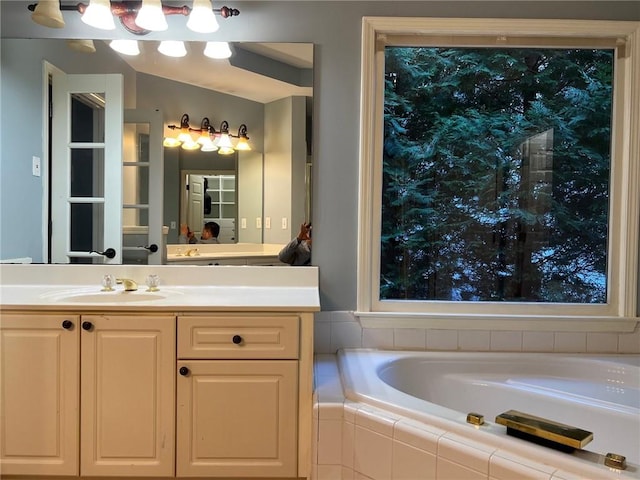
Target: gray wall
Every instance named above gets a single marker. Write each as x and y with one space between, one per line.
335 29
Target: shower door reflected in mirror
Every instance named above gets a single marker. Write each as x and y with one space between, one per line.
142 200
86 179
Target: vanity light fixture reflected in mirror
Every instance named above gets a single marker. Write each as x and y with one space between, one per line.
125 47
172 48
208 140
217 50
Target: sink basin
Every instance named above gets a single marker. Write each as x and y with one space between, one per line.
111 297
115 297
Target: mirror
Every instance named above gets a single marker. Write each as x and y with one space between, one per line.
266 86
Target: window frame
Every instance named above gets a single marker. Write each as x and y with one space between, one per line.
620 311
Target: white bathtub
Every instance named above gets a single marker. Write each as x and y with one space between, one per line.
600 393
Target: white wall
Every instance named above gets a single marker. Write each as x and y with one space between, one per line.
284 168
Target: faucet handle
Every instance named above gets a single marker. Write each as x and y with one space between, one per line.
152 282
108 282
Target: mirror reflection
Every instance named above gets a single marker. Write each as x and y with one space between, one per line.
264 87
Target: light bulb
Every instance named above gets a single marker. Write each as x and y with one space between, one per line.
243 144
191 145
98 15
171 142
217 50
125 47
172 48
48 14
202 19
150 16
83 46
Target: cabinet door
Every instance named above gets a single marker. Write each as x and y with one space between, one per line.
39 394
128 395
237 418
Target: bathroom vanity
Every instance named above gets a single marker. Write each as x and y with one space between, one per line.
210 376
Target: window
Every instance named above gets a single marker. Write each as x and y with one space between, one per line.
497 174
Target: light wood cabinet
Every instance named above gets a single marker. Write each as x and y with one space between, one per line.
94 395
238 396
103 387
237 418
127 395
39 380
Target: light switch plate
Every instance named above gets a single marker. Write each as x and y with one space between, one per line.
243 223
258 222
35 166
284 223
267 222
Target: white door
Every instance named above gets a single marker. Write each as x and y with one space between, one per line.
195 213
143 186
86 167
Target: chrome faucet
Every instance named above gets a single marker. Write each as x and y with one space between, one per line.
129 285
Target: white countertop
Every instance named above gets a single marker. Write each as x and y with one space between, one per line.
205 251
181 289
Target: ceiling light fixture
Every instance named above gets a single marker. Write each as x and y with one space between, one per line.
49 14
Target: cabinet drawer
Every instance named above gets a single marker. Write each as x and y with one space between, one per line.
237 337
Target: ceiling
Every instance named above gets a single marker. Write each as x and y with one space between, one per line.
264 83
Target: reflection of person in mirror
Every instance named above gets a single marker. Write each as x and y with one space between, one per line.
298 250
210 233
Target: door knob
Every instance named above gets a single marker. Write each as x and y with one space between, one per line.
109 252
87 326
153 248
67 324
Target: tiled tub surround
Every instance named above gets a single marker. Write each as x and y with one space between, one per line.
357 440
341 329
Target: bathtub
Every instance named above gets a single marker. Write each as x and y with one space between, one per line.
599 393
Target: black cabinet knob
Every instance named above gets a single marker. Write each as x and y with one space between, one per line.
237 339
87 326
67 324
184 371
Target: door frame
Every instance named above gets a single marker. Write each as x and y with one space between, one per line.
48 70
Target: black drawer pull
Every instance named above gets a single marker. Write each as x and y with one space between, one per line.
237 339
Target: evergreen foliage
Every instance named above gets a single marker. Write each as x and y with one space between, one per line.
496 168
